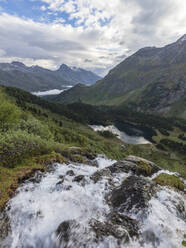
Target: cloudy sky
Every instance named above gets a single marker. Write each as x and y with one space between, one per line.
93 34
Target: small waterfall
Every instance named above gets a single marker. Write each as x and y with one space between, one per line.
58 212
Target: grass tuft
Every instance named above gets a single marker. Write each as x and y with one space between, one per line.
170 180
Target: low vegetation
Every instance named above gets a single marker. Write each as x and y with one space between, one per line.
170 180
144 165
35 132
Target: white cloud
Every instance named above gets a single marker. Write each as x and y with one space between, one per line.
102 31
43 8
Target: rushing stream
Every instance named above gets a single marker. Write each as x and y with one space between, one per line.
67 194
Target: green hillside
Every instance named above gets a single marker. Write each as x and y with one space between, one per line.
34 132
153 80
36 78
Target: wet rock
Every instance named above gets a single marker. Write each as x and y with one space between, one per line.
92 163
105 229
71 234
132 195
98 175
120 227
4 226
67 187
149 167
78 178
149 237
181 211
34 174
126 167
76 158
131 225
132 164
90 155
70 173
60 182
37 177
64 229
62 177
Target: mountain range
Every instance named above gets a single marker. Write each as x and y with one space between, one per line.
152 80
36 78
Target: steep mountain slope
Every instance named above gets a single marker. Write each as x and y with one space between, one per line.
152 79
77 75
36 78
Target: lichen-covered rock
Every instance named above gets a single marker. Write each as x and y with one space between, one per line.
106 229
136 165
132 195
131 225
98 175
147 166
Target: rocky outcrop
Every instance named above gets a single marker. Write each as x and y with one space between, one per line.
136 165
132 195
121 227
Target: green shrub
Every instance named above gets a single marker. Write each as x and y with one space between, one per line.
9 114
16 145
36 127
107 134
184 243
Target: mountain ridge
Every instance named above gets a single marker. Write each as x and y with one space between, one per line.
36 78
152 79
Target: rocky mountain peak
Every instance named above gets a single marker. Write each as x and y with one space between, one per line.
182 39
17 63
64 67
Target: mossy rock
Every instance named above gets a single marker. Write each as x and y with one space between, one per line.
144 165
53 157
170 180
184 243
77 158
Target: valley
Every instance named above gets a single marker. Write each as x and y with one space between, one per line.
151 80
102 165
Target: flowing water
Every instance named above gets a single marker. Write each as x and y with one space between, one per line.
38 209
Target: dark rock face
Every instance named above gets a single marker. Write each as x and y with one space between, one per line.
98 175
106 229
78 178
132 195
63 231
4 226
70 173
60 182
116 225
122 228
70 234
149 168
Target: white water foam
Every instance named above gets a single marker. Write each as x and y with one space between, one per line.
38 209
